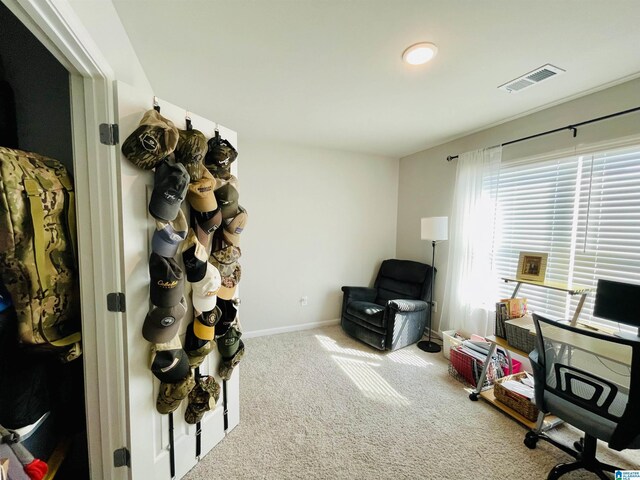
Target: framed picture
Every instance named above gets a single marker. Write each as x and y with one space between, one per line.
532 266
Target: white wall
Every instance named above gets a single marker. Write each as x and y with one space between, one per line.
318 219
426 179
101 20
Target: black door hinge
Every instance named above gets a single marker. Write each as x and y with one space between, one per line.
121 457
109 134
116 302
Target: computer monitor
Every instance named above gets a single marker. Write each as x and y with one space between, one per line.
618 301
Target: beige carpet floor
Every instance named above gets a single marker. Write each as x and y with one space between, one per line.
318 405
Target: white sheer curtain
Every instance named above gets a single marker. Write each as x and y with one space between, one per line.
470 293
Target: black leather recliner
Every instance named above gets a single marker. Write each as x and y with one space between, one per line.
394 313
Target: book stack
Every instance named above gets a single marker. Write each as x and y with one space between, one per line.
507 309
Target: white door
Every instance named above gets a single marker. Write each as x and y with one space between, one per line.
148 430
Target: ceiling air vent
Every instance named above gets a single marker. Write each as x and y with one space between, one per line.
532 78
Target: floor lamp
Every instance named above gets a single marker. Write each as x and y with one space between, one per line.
435 229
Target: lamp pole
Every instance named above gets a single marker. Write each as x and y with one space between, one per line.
429 346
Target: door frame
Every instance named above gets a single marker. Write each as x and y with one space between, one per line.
96 176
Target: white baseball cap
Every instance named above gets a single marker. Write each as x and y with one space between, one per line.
204 292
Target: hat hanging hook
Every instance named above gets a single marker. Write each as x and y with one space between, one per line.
187 119
156 105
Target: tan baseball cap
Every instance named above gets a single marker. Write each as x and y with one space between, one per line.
200 193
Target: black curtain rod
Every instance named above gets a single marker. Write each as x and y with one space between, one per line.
573 128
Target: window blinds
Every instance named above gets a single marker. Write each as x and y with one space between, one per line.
583 210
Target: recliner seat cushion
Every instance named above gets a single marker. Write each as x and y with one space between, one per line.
369 312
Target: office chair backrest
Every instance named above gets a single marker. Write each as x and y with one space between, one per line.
596 372
402 279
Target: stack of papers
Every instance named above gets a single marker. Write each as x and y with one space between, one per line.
523 387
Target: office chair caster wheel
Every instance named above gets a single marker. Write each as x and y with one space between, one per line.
579 445
473 397
530 440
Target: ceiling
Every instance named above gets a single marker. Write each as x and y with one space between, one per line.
328 73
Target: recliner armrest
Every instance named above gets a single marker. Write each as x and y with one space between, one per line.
408 305
363 294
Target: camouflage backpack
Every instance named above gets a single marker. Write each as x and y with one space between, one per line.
38 250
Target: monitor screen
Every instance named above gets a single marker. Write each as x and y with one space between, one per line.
618 301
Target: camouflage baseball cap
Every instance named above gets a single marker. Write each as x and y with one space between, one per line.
234 227
154 139
220 153
169 235
162 324
227 197
202 398
225 369
225 258
170 183
171 394
196 348
190 151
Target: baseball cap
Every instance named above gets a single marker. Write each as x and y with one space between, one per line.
170 184
168 235
194 257
154 139
197 349
227 197
204 324
225 369
202 398
229 343
220 153
200 193
170 395
169 362
190 151
225 259
209 222
167 281
204 291
163 323
229 313
232 230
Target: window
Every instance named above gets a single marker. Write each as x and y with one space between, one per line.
583 210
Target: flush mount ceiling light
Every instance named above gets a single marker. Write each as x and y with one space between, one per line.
419 53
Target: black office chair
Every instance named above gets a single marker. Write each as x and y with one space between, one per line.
591 381
394 313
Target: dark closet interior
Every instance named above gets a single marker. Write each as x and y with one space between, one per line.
36 388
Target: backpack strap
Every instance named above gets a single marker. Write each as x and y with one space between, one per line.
37 218
71 215
43 268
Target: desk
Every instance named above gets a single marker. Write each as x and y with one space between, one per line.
562 287
611 351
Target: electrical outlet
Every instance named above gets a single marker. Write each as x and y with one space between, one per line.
435 306
304 301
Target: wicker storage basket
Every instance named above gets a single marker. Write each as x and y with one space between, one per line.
521 333
520 404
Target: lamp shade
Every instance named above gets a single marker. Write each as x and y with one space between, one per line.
434 228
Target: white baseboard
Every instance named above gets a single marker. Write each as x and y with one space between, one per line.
291 328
